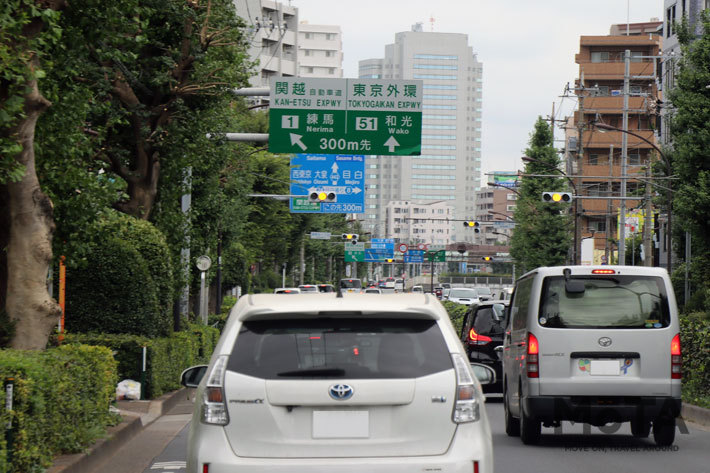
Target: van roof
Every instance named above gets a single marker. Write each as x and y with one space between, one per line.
578 270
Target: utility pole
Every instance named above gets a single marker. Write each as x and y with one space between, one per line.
302 261
607 253
624 160
647 253
578 171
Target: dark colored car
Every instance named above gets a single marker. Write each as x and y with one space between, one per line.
438 291
481 332
326 288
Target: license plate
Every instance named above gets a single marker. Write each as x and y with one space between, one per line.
341 424
605 368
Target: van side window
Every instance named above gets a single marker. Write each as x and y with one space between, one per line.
519 306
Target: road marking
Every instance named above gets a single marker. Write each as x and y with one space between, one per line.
174 465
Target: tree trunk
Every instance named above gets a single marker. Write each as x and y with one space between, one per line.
29 246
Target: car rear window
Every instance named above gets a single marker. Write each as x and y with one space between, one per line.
607 302
463 293
489 320
339 348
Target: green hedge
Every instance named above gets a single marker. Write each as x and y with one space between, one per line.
695 344
456 313
125 285
165 357
60 403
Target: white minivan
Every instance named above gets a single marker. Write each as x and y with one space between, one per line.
593 344
321 383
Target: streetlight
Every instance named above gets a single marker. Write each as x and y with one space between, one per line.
669 194
493 212
575 251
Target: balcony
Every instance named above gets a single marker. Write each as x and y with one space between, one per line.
613 104
615 70
596 139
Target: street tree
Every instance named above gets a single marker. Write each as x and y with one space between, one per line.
29 28
542 235
690 134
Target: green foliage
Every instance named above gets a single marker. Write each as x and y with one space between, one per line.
542 236
695 343
456 313
690 157
125 286
60 404
18 49
166 357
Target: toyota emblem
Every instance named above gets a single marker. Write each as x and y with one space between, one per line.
605 342
340 392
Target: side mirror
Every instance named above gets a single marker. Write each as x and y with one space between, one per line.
191 377
484 374
499 351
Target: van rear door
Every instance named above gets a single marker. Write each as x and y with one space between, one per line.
612 338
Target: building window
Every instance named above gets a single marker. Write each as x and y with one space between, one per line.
438 117
512 197
440 97
451 67
308 36
328 53
600 56
435 56
331 70
634 159
438 107
593 159
435 76
602 91
307 52
670 20
330 36
438 137
439 87
510 208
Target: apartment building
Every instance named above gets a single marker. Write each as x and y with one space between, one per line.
272 28
494 213
597 162
449 167
320 50
413 223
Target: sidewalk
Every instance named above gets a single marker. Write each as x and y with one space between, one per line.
136 416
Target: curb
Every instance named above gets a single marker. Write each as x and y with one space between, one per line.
116 437
695 414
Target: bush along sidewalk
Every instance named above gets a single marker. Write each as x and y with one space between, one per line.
165 358
695 343
59 403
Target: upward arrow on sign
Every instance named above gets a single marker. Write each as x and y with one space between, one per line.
391 144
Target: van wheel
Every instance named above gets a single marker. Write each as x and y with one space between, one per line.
640 429
664 431
529 429
512 424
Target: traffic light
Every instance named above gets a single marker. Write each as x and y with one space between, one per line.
472 224
322 196
487 258
351 237
389 260
564 197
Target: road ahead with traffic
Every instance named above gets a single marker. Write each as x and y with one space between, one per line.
161 447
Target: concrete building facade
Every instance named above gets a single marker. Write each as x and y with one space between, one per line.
414 223
320 50
449 167
494 213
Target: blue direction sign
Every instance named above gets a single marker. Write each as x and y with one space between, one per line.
382 243
343 175
373 255
414 256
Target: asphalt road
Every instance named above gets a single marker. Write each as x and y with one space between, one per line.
579 448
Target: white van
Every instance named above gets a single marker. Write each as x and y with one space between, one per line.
593 344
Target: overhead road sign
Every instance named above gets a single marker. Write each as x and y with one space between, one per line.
359 116
354 253
436 256
341 175
414 256
382 243
320 235
373 255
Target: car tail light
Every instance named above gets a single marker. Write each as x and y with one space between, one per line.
466 407
477 339
676 358
533 368
205 468
214 404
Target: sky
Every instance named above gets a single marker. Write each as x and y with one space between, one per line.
527 48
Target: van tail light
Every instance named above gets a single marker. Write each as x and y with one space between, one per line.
533 367
477 339
676 358
205 468
466 407
214 404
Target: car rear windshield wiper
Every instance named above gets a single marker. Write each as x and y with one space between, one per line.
315 372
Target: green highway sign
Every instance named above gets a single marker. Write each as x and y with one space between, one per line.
302 204
345 116
436 256
354 253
